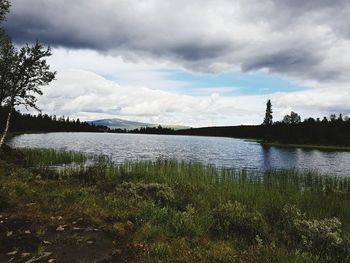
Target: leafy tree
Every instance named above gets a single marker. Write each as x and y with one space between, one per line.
5 47
25 73
293 118
4 8
333 117
287 119
7 53
268 114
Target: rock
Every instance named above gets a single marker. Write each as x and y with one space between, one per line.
35 259
10 233
60 229
38 177
12 253
27 232
52 260
46 242
60 218
24 255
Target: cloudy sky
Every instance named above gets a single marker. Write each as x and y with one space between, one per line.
197 63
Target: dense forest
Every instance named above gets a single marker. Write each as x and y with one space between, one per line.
45 123
326 132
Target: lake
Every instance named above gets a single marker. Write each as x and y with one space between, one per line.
218 151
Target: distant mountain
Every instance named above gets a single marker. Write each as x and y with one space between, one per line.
116 123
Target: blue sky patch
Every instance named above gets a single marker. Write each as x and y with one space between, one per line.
232 83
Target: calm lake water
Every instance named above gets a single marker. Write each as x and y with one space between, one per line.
221 152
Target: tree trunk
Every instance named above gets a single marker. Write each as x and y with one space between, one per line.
3 137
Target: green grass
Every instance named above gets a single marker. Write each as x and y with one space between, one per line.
47 157
189 212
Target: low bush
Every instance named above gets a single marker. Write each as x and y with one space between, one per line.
184 223
160 193
234 219
322 238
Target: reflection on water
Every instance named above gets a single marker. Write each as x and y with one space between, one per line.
221 152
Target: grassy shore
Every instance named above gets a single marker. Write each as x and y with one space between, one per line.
166 211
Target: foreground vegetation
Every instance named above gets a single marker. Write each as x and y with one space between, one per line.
166 211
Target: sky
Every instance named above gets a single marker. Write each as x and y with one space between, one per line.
195 63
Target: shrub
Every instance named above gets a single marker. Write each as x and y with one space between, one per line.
234 219
160 251
321 238
184 223
160 193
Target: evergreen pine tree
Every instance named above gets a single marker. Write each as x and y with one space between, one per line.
268 115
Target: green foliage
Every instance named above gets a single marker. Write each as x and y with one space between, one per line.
293 118
160 193
160 251
182 212
4 8
184 223
233 219
48 157
321 238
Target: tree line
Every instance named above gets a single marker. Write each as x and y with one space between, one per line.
45 123
333 130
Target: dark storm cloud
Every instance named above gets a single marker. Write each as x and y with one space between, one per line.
296 38
282 61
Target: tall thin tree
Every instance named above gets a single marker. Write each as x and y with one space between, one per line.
268 120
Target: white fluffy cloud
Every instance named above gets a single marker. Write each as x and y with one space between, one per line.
86 95
97 45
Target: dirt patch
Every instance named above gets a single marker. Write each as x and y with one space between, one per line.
23 240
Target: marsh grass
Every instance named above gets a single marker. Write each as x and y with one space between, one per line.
47 157
196 208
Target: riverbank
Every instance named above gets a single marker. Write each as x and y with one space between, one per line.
166 211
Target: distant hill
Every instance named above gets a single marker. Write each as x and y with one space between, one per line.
116 123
